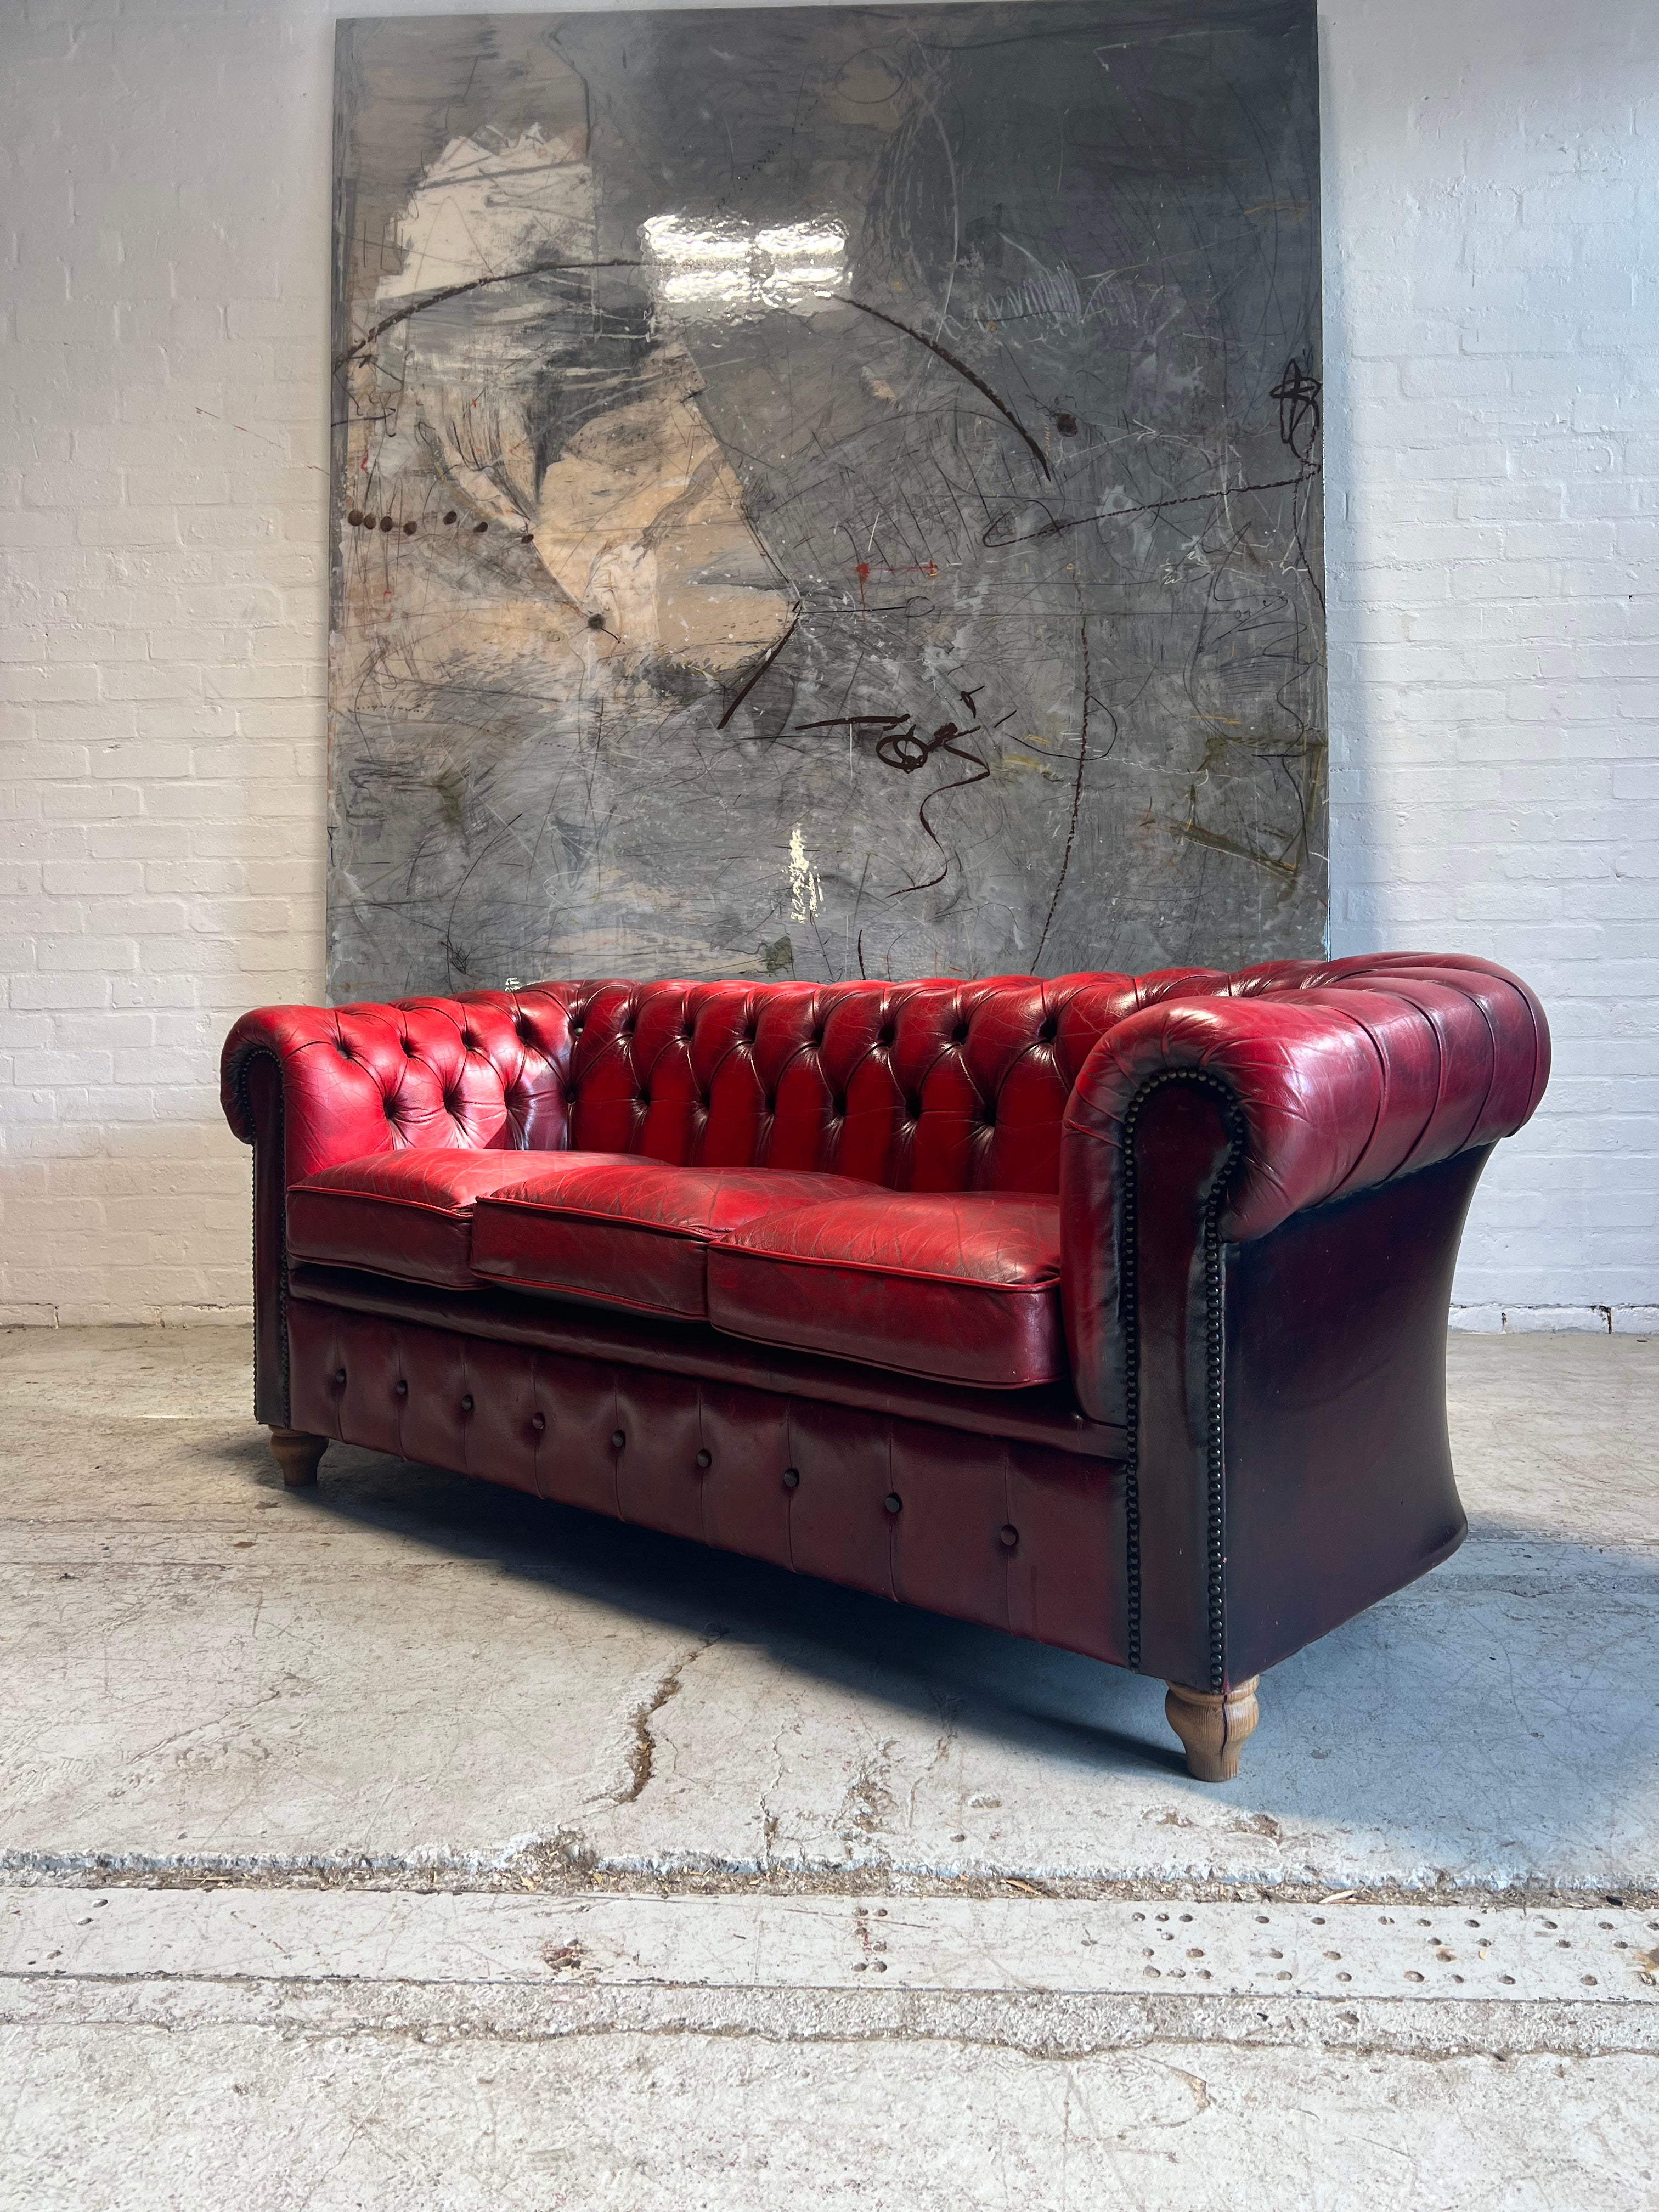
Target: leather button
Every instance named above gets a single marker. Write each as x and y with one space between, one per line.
791 1477
539 1422
340 1375
705 1459
466 1403
1007 1535
893 1502
401 1387
617 1440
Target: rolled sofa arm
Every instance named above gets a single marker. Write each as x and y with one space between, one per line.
1337 1076
488 1071
311 1086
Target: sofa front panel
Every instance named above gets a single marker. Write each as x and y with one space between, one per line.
1044 1415
1011 1535
748 1505
1070 1567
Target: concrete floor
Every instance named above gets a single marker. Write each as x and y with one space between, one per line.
407 1842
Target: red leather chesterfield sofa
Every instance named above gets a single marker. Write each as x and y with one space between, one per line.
1109 1310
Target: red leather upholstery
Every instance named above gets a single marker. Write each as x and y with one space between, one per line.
920 1086
1017 1535
469 1072
1368 1068
958 1287
1346 1072
1268 1167
1044 1414
629 1232
409 1214
1342 1074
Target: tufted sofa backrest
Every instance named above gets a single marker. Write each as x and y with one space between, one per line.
934 1085
923 1086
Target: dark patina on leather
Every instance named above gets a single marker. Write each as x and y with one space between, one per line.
739 1260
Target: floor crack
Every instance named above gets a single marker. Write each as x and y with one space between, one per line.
643 1750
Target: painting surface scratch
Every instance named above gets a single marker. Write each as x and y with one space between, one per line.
825 492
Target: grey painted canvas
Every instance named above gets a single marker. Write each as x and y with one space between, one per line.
825 492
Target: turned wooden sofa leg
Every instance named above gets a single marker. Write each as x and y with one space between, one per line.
297 1455
1214 1724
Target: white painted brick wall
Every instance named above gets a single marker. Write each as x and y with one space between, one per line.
1491 263
1492 209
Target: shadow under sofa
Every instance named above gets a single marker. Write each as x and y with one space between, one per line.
1108 1311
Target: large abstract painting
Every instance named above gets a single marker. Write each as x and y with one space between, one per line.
824 492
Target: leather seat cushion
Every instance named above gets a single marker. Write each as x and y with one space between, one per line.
631 1232
959 1287
408 1213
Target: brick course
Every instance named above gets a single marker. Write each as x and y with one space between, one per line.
1492 178
1491 244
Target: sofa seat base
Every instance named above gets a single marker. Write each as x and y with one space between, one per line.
1017 1536
1047 1414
